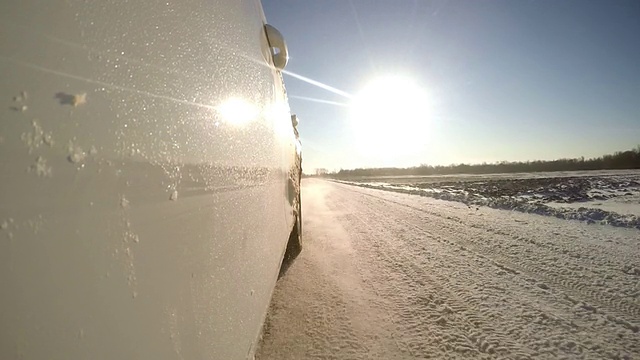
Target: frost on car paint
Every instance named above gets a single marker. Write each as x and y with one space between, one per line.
162 209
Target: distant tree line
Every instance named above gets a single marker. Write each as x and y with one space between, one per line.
629 159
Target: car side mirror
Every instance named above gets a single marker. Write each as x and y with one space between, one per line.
279 51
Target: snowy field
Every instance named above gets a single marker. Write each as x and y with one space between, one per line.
604 197
392 275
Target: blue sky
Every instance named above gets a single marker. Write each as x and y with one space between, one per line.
506 80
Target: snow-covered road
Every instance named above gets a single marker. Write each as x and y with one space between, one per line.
387 275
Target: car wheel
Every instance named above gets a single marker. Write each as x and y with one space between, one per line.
294 245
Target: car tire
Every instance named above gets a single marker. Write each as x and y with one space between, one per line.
294 245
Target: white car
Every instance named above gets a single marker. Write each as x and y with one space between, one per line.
149 178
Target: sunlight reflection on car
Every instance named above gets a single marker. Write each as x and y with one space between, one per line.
274 113
237 111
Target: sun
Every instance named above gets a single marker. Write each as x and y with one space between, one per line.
390 116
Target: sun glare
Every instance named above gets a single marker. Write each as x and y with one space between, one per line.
390 116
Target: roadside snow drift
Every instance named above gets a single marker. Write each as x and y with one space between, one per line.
609 197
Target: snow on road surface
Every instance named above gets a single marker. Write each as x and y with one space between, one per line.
387 275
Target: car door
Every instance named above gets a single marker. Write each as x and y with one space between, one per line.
144 152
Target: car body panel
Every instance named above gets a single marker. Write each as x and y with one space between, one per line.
145 151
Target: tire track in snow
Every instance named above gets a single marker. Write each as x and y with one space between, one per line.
622 255
618 307
568 323
491 320
515 229
440 255
529 273
609 308
469 334
613 303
